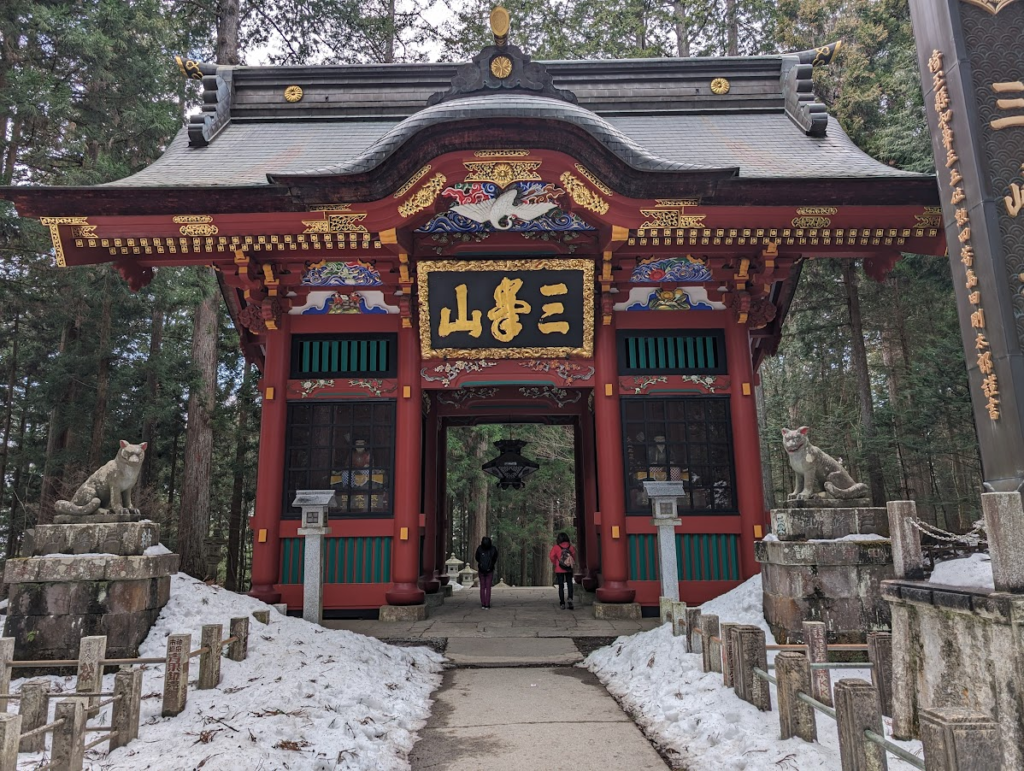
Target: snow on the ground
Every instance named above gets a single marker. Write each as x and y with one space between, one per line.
742 605
456 586
973 572
306 697
852 537
699 722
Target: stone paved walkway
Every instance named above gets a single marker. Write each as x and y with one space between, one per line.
514 701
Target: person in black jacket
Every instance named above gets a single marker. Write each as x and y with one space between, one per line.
486 559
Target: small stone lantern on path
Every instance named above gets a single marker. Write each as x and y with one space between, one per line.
452 566
467 576
663 496
315 505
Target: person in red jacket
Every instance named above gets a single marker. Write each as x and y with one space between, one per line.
563 557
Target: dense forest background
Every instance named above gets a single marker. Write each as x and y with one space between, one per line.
89 93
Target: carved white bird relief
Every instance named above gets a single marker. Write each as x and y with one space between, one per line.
503 210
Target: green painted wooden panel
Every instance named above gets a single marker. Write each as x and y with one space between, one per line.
699 557
345 560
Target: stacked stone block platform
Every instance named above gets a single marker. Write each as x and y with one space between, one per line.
810 575
82 580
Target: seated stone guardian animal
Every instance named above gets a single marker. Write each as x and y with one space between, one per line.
109 487
818 474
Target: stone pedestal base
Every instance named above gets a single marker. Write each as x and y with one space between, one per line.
396 613
58 596
435 600
837 582
447 590
958 648
610 611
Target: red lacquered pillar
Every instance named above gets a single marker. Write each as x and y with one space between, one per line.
746 445
430 464
266 520
443 526
608 428
588 464
408 437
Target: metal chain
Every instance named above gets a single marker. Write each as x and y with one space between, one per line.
972 538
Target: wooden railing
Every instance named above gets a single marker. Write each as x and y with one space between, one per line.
26 731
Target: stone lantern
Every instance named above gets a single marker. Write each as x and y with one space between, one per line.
315 505
452 566
467 576
663 497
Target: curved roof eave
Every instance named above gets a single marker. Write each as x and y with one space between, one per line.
517 106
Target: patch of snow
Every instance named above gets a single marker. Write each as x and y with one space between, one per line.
852 537
305 698
973 572
771 537
156 550
70 556
456 586
742 605
695 718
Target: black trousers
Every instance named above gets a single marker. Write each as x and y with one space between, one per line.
563 579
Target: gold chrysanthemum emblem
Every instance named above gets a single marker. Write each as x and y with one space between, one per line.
720 86
501 67
293 93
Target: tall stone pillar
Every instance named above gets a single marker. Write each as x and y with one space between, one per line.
408 459
266 521
746 445
610 478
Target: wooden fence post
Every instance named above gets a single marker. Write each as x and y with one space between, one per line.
68 749
856 711
796 717
209 662
708 629
817 653
90 673
6 657
727 662
665 609
125 714
10 730
880 656
176 674
692 625
753 653
239 629
33 708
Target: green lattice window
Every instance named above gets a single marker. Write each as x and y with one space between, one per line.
672 353
322 356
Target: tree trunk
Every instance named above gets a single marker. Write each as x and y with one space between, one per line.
236 522
99 413
194 514
859 360
732 29
390 31
149 425
5 444
59 436
478 512
682 29
767 470
228 23
17 526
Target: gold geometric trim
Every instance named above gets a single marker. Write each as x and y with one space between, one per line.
660 218
501 153
199 230
817 211
583 195
54 223
423 197
329 207
672 202
811 222
554 352
412 181
191 219
992 6
594 180
502 173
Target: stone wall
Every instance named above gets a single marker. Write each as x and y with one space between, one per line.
963 648
837 582
65 589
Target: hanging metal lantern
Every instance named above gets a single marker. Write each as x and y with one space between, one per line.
511 468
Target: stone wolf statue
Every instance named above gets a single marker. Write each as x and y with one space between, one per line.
815 469
110 486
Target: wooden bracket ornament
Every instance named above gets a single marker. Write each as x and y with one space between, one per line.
607 301
879 266
739 304
136 276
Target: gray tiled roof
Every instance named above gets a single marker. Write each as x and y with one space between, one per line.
761 145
